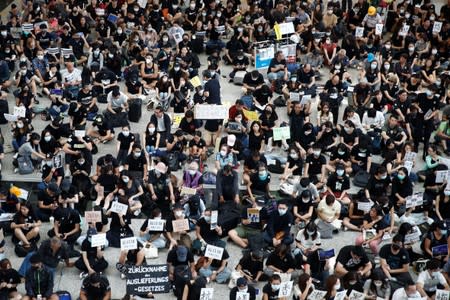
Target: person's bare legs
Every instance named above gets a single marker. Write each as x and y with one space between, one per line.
243 243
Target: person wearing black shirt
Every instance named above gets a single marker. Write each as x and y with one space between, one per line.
395 260
53 251
92 258
39 280
377 185
315 167
88 100
76 145
136 163
104 82
50 171
361 157
251 266
227 185
94 287
271 289
353 258
211 89
240 63
278 226
278 68
9 279
205 234
180 256
281 261
78 115
66 226
258 183
428 104
161 189
338 183
243 287
252 81
125 142
48 201
306 78
25 226
216 269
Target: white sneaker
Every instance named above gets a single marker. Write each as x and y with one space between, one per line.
16 155
83 275
16 170
123 276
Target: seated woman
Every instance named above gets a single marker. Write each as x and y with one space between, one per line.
127 258
191 290
132 189
120 225
193 178
411 239
92 259
375 222
224 157
251 266
436 236
401 189
20 130
342 157
390 156
355 217
294 166
304 287
377 286
176 215
281 261
259 183
214 269
303 208
26 226
153 237
238 127
349 135
9 279
307 243
106 186
30 150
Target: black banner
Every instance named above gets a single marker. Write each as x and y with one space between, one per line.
148 278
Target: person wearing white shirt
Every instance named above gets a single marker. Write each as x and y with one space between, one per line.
407 293
428 281
71 77
373 119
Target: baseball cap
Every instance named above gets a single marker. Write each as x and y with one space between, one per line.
161 167
182 253
53 187
231 139
241 281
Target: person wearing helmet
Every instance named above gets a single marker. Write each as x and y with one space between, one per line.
371 19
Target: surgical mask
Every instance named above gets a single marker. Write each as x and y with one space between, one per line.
383 177
137 154
260 29
192 172
158 173
81 162
151 130
388 47
164 79
148 60
49 163
444 231
337 67
40 57
177 69
125 179
282 211
174 6
178 213
347 129
19 125
240 29
136 9
401 177
341 152
352 282
378 284
4 33
47 138
340 172
434 51
275 287
373 66
96 52
432 18
213 73
7 51
219 14
337 286
316 153
407 15
204 14
411 49
223 152
329 11
387 66
165 39
306 200
308 132
293 79
119 31
293 155
317 40
447 192
126 133
207 219
110 55
328 41
192 6
262 175
136 40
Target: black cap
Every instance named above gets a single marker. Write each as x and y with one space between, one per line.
23 64
179 133
35 258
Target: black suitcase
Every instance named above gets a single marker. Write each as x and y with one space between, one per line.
135 110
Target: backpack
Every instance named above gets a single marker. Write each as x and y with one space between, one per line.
130 71
276 168
182 275
209 178
361 179
25 165
21 251
173 161
64 295
194 205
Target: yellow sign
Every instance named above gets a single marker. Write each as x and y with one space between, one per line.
251 115
195 81
277 29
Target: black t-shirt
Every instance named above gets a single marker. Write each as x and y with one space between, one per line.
259 184
248 80
303 207
212 86
108 181
210 236
78 114
19 219
338 184
67 220
395 261
91 252
50 258
267 289
377 187
360 155
47 200
283 264
125 141
172 258
96 292
250 265
145 225
378 226
346 259
189 127
315 164
136 163
9 276
217 263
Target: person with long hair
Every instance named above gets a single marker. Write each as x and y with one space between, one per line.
377 286
25 225
332 286
304 287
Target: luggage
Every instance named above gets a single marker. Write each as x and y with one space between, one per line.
229 217
25 165
239 77
64 295
173 161
118 120
135 110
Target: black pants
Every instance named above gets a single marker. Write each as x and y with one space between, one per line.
98 265
71 239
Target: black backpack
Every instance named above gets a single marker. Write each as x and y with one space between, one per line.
194 205
182 275
173 162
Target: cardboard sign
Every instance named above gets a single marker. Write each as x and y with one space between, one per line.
359 32
316 295
176 119
251 115
156 225
92 216
242 296
188 191
98 240
364 206
214 252
214 218
414 200
180 225
210 112
52 51
119 208
404 31
294 96
442 295
285 289
129 243
66 51
379 29
437 27
27 27
355 295
253 214
441 176
20 111
281 133
148 278
195 81
305 99
206 293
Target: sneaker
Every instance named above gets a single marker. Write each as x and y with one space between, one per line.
16 170
123 276
83 275
16 155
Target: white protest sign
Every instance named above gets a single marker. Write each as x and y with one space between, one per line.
441 176
180 225
214 252
404 31
210 112
281 133
142 3
316 295
408 165
188 191
242 296
294 96
359 32
2 235
129 243
80 133
340 295
410 156
92 216
305 99
20 111
364 206
10 118
214 218
285 289
98 240
355 295
414 200
413 237
206 294
378 29
286 28
442 295
156 225
437 27
119 208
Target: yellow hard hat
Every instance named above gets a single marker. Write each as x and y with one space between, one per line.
371 11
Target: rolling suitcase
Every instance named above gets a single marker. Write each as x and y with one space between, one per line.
135 110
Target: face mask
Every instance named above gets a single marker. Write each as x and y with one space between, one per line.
81 161
388 47
337 286
262 175
207 219
434 51
383 177
219 14
136 9
151 130
240 29
119 31
402 11
158 173
47 138
192 172
411 49
238 119
447 192
340 172
7 51
429 93
316 153
352 282
178 213
373 66
96 52
282 211
110 55
125 179
19 125
329 12
378 284
136 40
176 69
192 6
347 129
317 40
40 57
213 73
401 177
137 154
341 152
260 29
4 33
444 232
204 14
126 133
387 66
223 153
275 287
165 39
308 132
148 60
407 16
49 163
164 79
293 155
306 200
337 67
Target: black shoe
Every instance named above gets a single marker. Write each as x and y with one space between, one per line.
36 101
335 231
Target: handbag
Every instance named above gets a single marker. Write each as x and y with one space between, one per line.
150 251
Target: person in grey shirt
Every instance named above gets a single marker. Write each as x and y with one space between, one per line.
117 101
306 184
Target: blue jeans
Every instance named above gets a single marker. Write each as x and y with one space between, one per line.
53 110
287 240
158 243
16 143
222 277
277 75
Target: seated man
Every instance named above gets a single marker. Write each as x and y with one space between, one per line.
352 258
207 234
278 68
306 78
117 104
251 225
227 185
48 200
104 132
408 292
431 279
258 183
66 226
240 63
278 229
94 287
39 281
395 261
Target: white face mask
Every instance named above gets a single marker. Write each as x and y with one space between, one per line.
137 154
373 66
148 60
40 57
165 39
282 211
192 172
125 179
434 51
378 284
411 49
275 287
4 33
337 286
96 52
178 213
126 133
192 6
119 31
151 130
19 125
407 16
316 153
223 152
294 155
387 66
110 55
